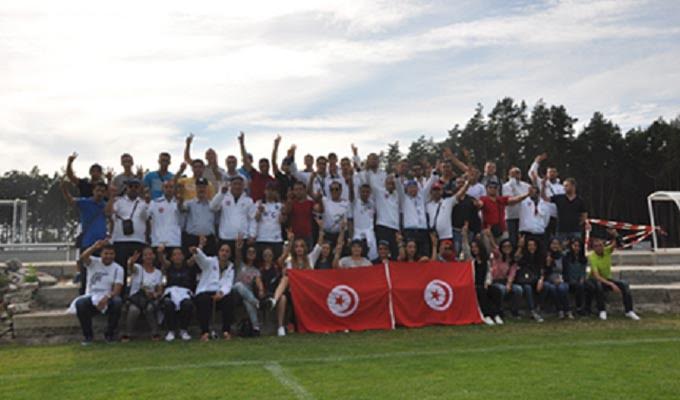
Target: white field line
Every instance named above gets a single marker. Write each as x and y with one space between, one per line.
288 380
336 359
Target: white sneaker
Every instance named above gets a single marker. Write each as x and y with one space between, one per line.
536 316
603 315
184 335
632 315
272 303
498 320
488 321
170 336
281 331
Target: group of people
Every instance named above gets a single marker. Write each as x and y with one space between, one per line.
175 245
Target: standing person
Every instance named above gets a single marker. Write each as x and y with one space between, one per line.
188 184
258 179
104 288
335 212
600 281
120 180
92 222
465 212
235 213
530 273
412 202
200 220
284 176
549 186
165 216
232 171
386 199
362 220
85 186
129 213
575 264
440 210
210 284
491 177
212 172
571 211
317 180
177 303
154 181
146 289
514 187
553 282
503 273
300 211
493 209
248 280
267 216
534 218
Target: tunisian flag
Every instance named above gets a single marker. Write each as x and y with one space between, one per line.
340 299
434 293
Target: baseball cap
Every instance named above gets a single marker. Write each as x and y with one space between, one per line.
201 181
133 181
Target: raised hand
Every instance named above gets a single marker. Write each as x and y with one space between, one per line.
109 173
290 235
239 242
134 257
241 136
72 157
277 140
355 149
202 240
190 138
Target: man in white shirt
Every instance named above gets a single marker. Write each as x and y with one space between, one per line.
514 187
129 213
533 218
439 210
268 216
335 210
102 296
362 221
412 201
235 217
386 197
164 213
553 187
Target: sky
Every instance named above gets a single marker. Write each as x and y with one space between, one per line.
101 79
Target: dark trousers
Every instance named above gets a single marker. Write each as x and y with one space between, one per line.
125 250
558 294
177 318
552 228
389 235
422 239
578 289
490 300
598 290
86 310
205 311
513 230
189 240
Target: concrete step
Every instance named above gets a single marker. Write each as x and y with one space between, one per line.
58 269
641 274
646 257
57 296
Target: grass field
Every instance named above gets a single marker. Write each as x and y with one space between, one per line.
579 360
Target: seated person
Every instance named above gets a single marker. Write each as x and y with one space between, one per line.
146 289
601 281
355 259
177 303
247 278
102 294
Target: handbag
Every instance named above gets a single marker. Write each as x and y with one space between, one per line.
127 224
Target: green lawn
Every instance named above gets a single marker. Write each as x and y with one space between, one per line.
577 359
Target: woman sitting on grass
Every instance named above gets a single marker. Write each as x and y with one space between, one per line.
146 289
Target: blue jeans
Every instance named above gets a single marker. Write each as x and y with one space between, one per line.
527 289
516 295
250 302
559 294
86 310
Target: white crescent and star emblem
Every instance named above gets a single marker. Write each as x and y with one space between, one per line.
438 295
342 301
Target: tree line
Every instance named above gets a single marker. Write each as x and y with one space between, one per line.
615 171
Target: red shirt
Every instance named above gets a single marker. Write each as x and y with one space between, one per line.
301 218
258 182
493 211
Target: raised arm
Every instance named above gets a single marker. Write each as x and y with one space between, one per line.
187 148
247 163
108 209
66 193
287 249
179 173
98 245
460 194
533 170
69 168
131 262
448 155
517 199
275 154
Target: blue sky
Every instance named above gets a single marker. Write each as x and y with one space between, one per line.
138 77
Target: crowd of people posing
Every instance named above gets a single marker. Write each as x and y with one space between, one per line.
168 246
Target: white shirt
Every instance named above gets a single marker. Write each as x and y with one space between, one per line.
413 207
166 228
227 279
551 189
268 228
209 279
145 280
477 190
441 221
386 203
122 209
348 262
362 215
513 188
533 219
332 179
101 278
235 217
312 258
333 214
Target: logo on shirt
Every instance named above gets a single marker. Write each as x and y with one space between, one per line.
161 209
97 277
438 295
342 301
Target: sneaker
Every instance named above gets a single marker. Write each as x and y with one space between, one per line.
170 336
536 316
570 315
632 315
281 331
184 335
560 314
498 320
86 342
487 320
603 315
272 303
